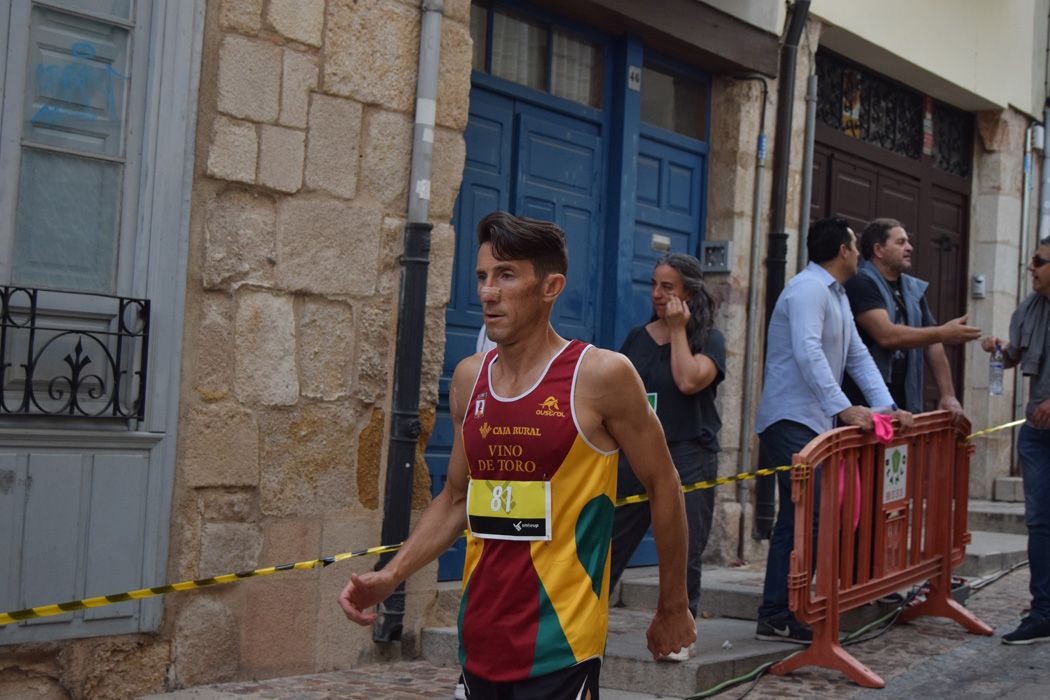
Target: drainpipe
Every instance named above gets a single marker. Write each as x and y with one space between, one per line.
807 169
1044 185
408 363
1026 198
752 312
776 258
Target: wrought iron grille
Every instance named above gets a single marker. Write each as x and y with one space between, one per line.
81 364
952 139
872 108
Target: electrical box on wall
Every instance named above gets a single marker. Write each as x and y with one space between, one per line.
977 290
714 256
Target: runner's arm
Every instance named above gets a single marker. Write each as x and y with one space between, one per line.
439 526
635 428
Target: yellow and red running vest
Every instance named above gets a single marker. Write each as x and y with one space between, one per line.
536 577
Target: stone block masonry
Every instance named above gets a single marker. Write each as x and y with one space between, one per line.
305 130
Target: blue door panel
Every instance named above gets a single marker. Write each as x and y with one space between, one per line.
669 203
559 179
485 188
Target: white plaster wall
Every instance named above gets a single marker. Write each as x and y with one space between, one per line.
977 54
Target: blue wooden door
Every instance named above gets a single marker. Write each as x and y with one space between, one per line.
533 162
669 208
558 178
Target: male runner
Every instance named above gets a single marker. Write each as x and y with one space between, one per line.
537 425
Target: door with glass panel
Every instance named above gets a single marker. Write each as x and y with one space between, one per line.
534 147
81 492
69 176
67 153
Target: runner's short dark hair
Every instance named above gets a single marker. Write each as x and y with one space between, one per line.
520 238
825 237
876 232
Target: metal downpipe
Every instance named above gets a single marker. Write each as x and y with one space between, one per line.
776 256
752 312
1044 185
802 256
408 363
1026 199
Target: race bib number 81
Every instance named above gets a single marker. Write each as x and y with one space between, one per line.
509 510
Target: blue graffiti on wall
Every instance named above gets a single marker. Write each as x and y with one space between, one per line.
75 86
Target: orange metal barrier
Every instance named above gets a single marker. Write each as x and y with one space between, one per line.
890 516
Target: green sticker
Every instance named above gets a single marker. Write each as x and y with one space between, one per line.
651 397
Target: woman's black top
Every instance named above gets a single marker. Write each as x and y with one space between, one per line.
683 416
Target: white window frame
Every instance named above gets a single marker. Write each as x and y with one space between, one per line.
156 269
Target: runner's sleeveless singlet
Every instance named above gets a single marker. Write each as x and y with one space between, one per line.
540 508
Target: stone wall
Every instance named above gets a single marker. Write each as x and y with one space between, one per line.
995 231
304 143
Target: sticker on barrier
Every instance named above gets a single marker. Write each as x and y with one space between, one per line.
894 473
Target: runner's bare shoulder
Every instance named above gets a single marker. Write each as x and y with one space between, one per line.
606 375
463 378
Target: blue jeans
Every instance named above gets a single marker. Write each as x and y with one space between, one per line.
1033 447
777 444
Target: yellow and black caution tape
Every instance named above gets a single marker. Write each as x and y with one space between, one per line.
6 618
59 608
720 481
986 431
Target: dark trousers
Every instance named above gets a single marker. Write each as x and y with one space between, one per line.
694 463
777 444
1033 446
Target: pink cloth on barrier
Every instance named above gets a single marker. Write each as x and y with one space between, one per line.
884 434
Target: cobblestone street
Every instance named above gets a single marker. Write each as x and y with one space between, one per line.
904 647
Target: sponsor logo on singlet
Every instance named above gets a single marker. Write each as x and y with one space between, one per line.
508 431
549 407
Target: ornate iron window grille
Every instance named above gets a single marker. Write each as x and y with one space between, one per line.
867 106
952 139
62 371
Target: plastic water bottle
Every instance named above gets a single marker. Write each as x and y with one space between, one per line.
995 372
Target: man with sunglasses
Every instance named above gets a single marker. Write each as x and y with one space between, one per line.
1029 347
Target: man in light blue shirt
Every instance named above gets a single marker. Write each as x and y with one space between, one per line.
812 342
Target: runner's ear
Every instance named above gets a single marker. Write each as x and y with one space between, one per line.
552 286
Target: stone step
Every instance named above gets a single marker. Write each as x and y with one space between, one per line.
629 668
997 516
989 552
1009 489
727 592
736 592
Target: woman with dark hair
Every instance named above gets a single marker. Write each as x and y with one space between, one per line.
680 357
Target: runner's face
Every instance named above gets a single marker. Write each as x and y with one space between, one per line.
896 252
1041 274
667 283
510 295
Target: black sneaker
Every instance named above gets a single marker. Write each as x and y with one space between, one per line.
783 629
1029 631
